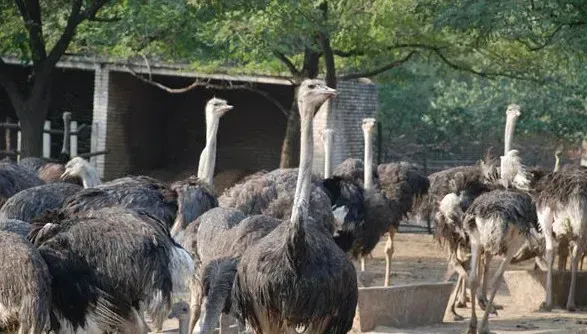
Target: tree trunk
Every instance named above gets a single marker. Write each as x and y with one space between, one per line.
584 152
31 127
289 140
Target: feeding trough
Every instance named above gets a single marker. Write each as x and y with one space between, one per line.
528 288
402 306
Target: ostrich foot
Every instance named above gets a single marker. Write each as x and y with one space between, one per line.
472 329
454 317
483 305
545 308
571 307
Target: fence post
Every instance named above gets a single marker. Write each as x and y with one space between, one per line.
7 136
73 139
47 140
18 143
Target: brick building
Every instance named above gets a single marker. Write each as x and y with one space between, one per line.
147 130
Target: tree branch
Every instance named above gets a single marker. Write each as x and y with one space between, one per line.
208 85
30 11
378 70
288 63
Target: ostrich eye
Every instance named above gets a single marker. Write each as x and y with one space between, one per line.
311 86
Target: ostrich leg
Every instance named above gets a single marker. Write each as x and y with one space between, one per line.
516 242
545 218
563 254
474 279
575 258
388 254
196 297
482 296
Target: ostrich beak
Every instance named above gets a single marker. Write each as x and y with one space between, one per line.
226 108
65 174
330 92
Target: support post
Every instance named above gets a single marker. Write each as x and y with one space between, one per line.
7 137
47 140
18 143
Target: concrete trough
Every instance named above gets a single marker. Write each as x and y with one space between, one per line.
401 306
528 288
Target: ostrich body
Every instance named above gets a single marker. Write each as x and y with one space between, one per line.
298 264
397 187
14 178
15 226
33 202
223 236
25 286
85 251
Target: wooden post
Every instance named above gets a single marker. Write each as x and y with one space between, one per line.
18 142
47 140
73 139
7 138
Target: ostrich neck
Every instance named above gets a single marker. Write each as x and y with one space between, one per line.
510 126
368 161
328 155
66 139
90 178
184 323
304 182
208 156
557 164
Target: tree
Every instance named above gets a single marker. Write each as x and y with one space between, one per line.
35 30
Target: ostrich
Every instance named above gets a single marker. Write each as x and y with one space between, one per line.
84 250
25 286
327 139
399 187
560 202
298 264
33 202
499 222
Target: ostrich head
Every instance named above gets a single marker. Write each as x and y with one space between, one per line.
181 311
368 124
311 95
217 107
78 167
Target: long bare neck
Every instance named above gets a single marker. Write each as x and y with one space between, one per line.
208 155
304 182
184 323
66 138
368 160
328 138
557 163
90 178
510 127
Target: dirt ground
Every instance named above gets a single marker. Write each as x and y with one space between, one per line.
418 259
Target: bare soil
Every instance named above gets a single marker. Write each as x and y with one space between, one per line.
419 259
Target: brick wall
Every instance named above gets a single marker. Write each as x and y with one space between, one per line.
355 100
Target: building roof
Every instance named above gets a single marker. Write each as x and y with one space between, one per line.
154 68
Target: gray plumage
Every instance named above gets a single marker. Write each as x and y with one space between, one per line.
32 164
139 193
25 287
15 226
118 259
194 198
504 208
353 169
272 194
223 236
33 202
14 178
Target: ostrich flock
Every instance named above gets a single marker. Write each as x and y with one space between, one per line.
276 249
